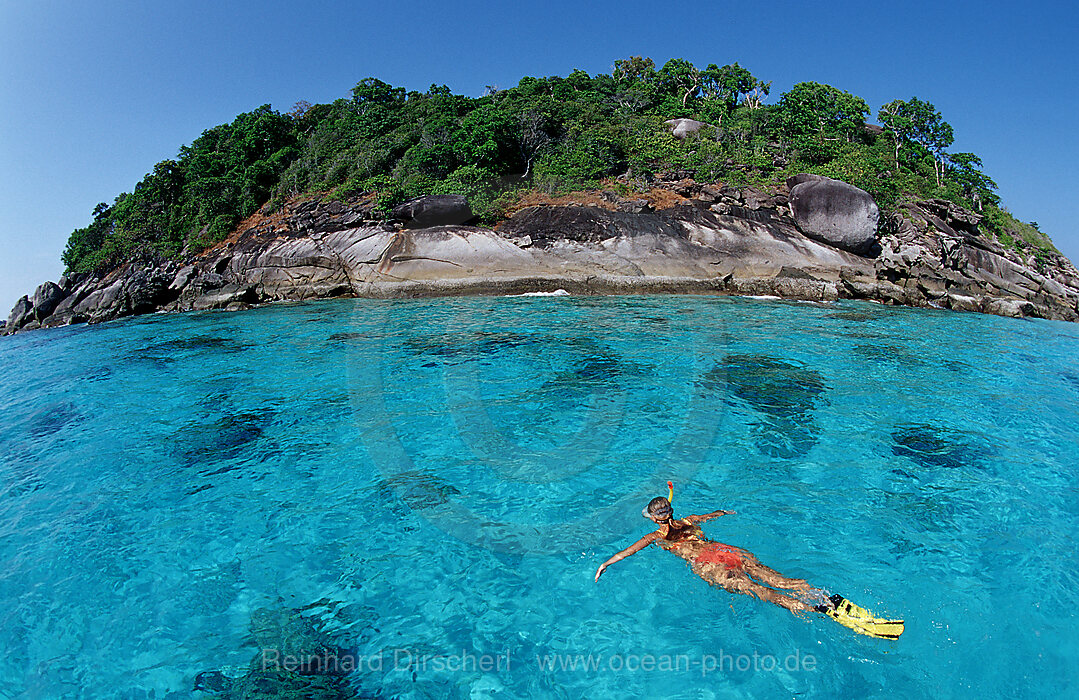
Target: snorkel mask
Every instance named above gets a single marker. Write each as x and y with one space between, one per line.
664 513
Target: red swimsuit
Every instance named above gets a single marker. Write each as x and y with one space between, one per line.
719 553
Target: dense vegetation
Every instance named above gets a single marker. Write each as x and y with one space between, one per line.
553 134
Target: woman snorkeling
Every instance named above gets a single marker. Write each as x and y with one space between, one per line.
739 571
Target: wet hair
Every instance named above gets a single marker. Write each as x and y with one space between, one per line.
658 505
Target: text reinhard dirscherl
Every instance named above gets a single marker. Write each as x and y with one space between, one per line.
465 661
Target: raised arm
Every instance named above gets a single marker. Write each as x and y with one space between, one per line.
632 549
708 516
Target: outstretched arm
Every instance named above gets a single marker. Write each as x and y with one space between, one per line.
708 516
632 549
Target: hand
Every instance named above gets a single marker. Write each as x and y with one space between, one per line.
600 570
729 512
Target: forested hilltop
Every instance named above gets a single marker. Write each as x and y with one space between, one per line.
551 135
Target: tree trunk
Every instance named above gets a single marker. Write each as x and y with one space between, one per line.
689 91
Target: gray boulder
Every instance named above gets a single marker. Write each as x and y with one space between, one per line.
149 288
46 298
833 212
681 128
100 303
795 180
64 313
135 292
547 225
182 278
18 312
1015 308
434 210
72 280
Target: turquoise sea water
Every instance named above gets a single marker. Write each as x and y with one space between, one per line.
440 479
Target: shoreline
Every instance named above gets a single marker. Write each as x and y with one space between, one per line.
755 289
736 242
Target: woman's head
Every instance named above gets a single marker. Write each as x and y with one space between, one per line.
659 509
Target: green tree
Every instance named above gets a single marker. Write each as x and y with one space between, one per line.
723 89
918 125
965 170
636 84
536 129
85 242
680 81
724 85
813 108
372 91
230 170
487 139
635 69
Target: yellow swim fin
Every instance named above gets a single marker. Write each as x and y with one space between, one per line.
861 620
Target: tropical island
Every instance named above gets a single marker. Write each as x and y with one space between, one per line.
669 179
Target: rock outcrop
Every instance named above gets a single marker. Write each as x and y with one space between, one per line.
433 210
933 250
676 236
682 128
19 313
834 212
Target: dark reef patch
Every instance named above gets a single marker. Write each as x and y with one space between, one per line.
340 337
935 447
888 353
52 419
195 343
859 316
786 392
465 347
593 371
167 352
785 438
228 437
588 365
957 366
777 387
416 488
298 657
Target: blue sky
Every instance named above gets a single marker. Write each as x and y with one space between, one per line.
93 94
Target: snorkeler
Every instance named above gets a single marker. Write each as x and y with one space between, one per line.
738 571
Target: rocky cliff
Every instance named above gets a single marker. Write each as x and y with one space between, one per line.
807 240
